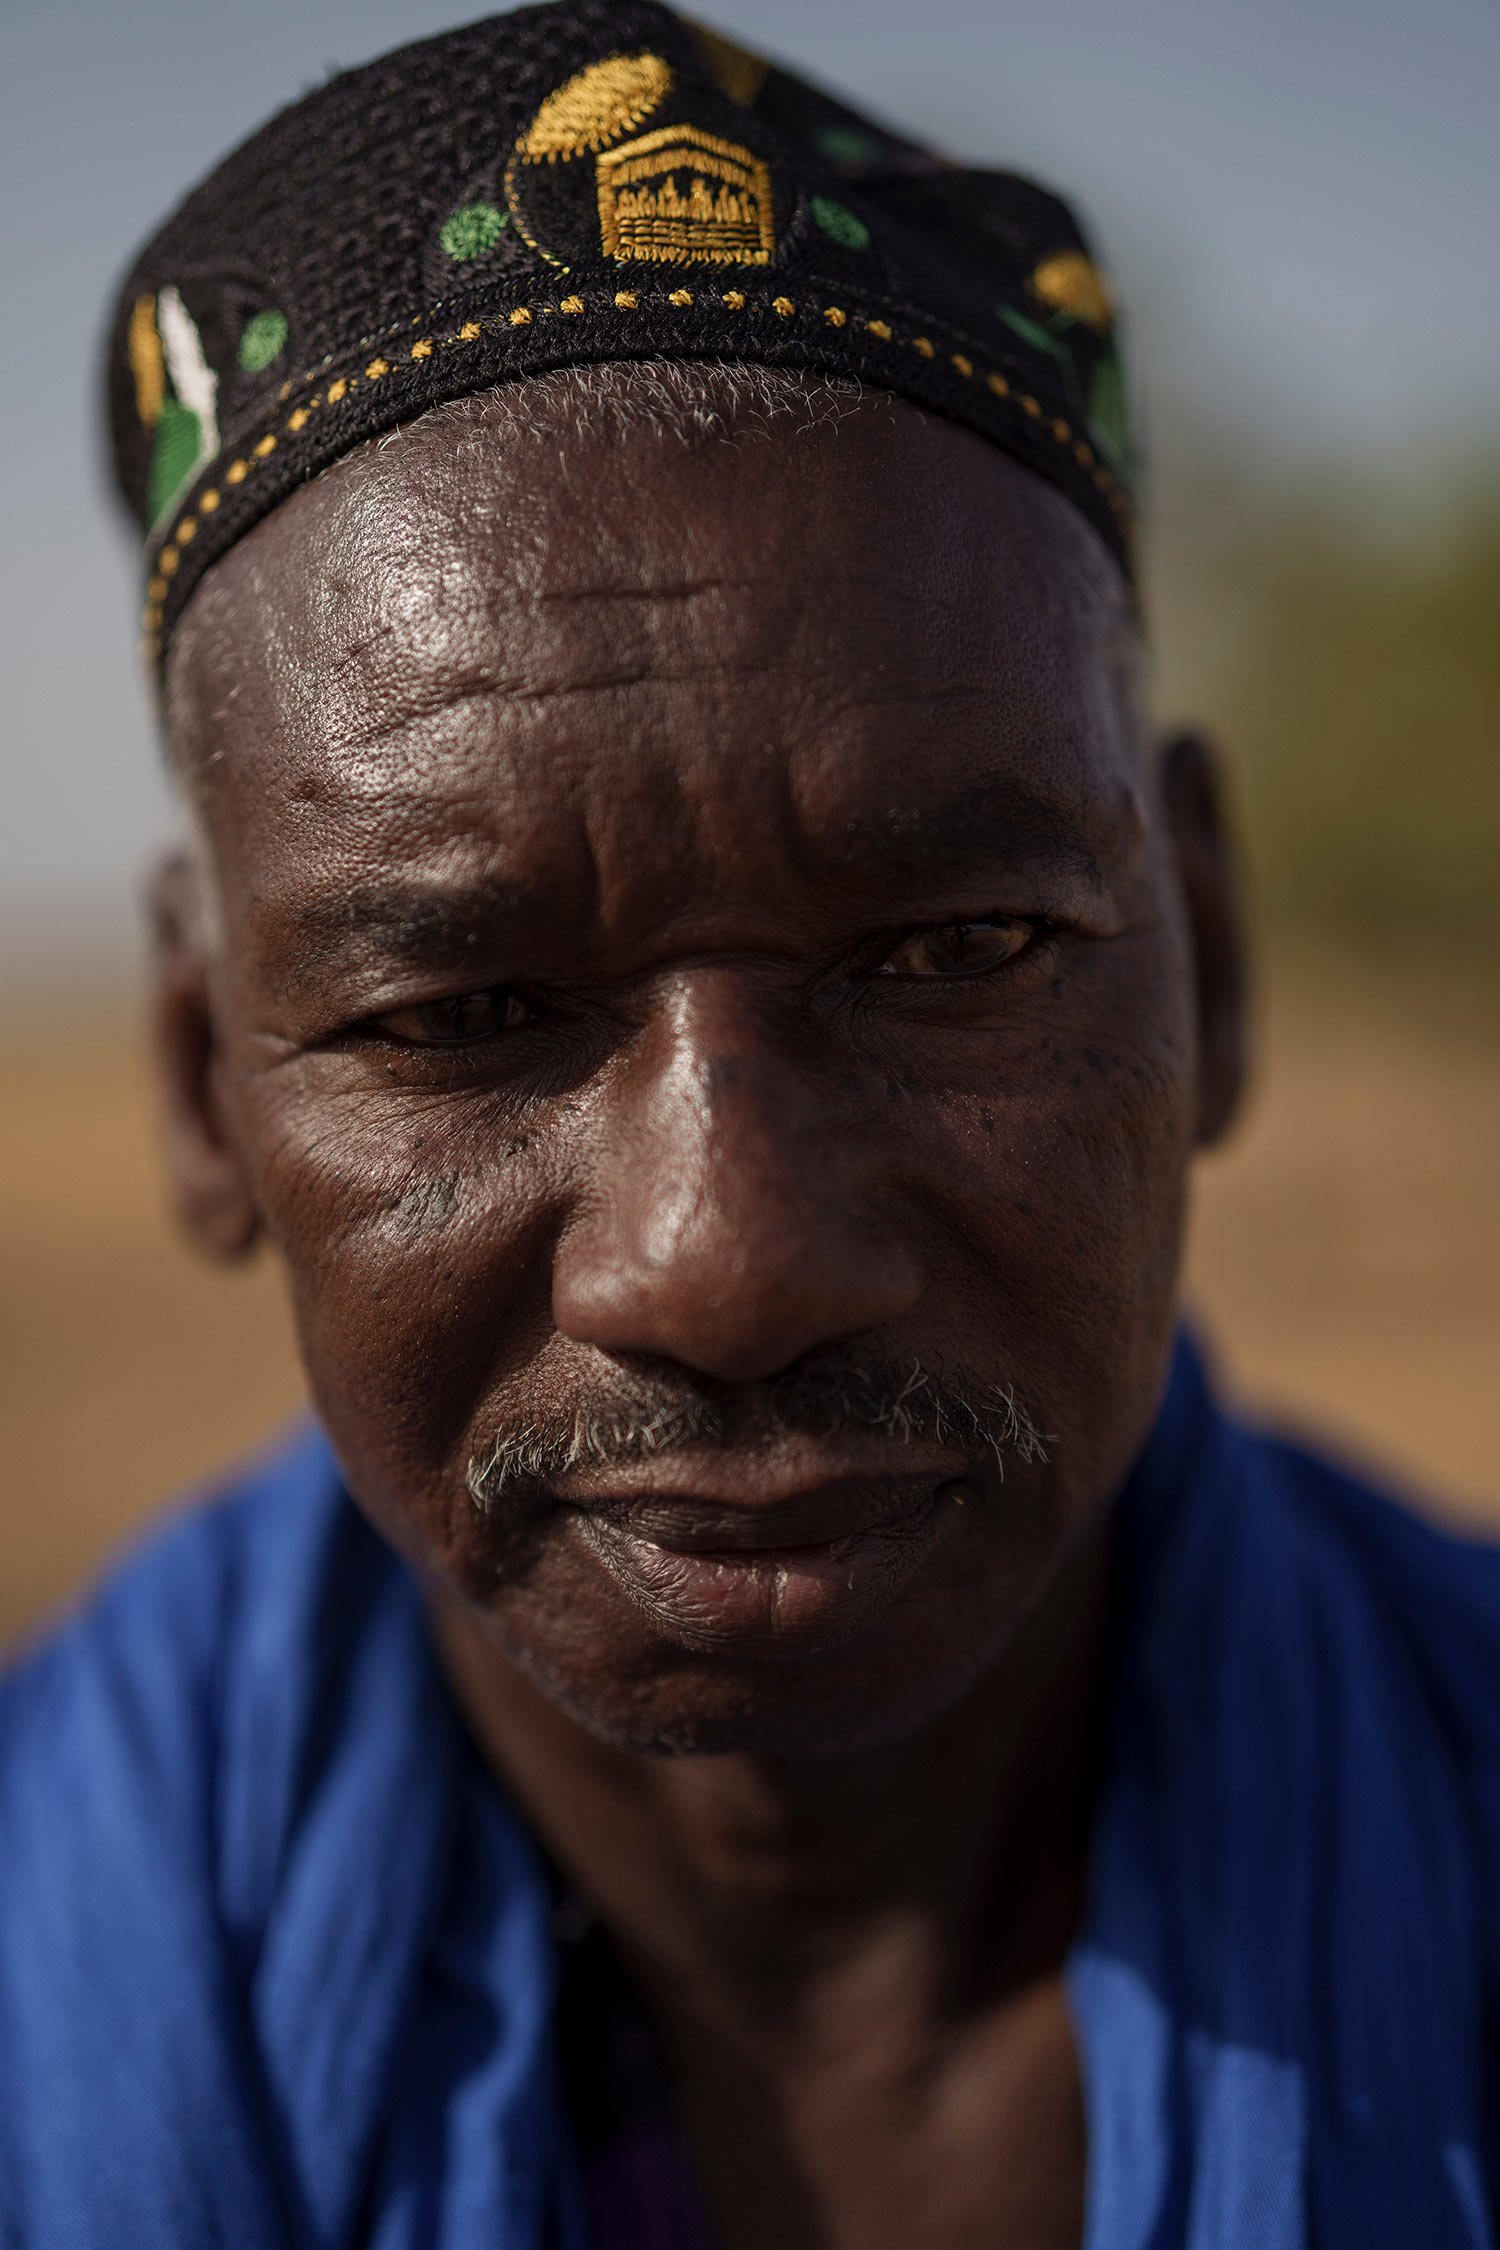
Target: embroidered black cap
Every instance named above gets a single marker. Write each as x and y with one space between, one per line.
588 180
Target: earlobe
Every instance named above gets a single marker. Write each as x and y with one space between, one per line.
1206 868
209 1186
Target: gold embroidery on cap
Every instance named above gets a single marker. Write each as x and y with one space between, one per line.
598 105
143 349
679 194
1071 283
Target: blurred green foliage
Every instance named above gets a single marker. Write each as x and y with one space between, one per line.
1352 669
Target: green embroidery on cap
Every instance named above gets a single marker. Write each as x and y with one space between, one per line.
472 229
846 144
174 456
1031 332
840 224
262 339
187 431
1107 415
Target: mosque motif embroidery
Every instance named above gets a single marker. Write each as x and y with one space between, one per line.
679 195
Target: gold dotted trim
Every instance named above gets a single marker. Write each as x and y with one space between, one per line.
625 300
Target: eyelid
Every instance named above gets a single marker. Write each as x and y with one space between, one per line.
378 1025
1038 926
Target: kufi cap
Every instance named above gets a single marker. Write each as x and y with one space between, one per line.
585 181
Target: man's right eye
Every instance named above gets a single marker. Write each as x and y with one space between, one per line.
457 1022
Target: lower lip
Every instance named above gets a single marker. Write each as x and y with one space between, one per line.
781 1600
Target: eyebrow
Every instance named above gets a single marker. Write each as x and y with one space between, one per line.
1000 819
410 924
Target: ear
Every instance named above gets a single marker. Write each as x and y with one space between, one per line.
209 1185
1206 868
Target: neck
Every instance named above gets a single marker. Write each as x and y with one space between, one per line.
928 1876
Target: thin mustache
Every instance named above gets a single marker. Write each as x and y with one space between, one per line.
906 1404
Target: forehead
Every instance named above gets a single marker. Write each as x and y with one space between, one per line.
485 629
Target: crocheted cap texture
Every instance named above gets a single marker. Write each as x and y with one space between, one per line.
590 180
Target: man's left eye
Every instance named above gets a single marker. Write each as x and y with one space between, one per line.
958 949
454 1023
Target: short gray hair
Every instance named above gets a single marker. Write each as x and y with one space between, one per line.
680 402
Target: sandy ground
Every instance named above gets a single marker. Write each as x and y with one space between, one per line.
1345 1263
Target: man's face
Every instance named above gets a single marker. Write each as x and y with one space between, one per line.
701 952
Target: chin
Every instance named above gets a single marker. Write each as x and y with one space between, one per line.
673 1703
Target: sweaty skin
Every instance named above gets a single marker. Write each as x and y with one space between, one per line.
683 914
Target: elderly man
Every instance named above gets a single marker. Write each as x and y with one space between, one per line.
773 1708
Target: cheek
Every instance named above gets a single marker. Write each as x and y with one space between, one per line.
1063 1155
413 1234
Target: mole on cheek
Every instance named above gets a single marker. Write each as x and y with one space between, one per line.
424 1207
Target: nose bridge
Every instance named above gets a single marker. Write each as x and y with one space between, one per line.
728 1110
725 1226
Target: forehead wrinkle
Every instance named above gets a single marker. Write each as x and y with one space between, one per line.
515 695
545 567
436 767
378 681
520 643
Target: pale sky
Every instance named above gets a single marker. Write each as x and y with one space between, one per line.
1300 199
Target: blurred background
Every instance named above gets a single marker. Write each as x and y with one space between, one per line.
1299 201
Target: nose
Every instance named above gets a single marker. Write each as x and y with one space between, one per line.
730 1220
